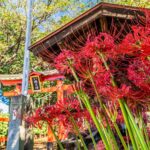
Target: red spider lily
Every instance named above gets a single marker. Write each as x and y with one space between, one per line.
64 60
89 67
128 66
103 82
103 43
127 46
145 48
61 112
136 42
131 44
115 93
143 35
139 74
89 49
138 100
124 73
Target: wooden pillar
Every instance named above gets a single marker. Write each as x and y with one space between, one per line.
104 24
59 90
62 135
51 137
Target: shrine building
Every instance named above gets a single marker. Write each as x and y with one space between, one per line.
104 17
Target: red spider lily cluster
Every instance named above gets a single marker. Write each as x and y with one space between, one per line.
66 58
109 72
127 62
61 113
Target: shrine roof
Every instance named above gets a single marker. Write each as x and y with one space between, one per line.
15 79
52 42
45 73
19 76
10 77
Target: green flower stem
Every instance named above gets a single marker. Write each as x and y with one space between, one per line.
106 66
130 123
95 89
93 140
79 134
145 131
125 115
101 104
76 78
112 135
120 136
73 71
89 108
128 142
78 144
57 139
108 132
137 130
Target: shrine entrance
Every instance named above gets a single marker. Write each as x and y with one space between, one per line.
37 82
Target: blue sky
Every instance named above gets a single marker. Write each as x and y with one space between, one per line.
4 107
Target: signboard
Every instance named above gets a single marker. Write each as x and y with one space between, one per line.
35 83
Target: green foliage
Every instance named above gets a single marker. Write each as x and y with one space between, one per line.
42 130
137 3
3 129
3 126
47 17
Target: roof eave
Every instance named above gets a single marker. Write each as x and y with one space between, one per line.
104 12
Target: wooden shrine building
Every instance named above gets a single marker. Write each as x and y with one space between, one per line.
36 82
111 18
104 17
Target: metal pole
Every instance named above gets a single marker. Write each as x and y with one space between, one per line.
26 51
16 133
27 142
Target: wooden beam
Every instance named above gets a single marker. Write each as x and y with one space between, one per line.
44 90
2 119
10 82
60 90
104 24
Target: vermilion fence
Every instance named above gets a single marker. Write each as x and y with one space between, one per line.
4 119
3 139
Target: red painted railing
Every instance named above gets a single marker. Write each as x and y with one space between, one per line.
2 119
3 139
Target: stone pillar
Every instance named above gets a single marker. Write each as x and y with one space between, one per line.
16 132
